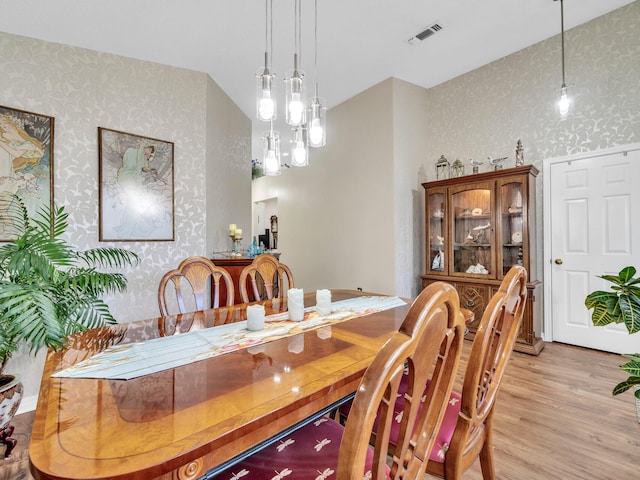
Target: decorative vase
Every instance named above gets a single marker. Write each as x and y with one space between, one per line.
11 391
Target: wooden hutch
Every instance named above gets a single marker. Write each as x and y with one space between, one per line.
477 227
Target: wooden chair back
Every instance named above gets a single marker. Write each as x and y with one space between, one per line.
204 279
492 347
266 277
428 344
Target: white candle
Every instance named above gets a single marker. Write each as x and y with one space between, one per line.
323 302
232 229
295 304
255 317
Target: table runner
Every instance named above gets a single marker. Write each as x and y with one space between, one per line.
132 360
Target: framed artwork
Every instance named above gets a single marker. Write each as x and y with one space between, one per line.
136 187
26 161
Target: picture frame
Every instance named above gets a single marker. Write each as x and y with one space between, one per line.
136 187
26 161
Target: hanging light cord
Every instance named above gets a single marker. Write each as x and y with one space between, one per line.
562 37
315 33
297 21
268 28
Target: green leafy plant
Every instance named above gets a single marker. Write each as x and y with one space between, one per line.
48 289
620 305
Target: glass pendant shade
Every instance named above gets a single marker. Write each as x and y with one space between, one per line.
563 103
271 154
299 148
296 98
317 124
266 106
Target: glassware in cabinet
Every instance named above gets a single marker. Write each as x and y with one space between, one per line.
436 231
472 230
512 225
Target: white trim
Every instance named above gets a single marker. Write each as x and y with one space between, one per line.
547 327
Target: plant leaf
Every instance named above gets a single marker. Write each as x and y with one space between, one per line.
626 385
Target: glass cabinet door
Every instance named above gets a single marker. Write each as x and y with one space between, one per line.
473 230
512 225
436 231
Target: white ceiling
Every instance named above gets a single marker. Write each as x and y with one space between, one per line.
360 42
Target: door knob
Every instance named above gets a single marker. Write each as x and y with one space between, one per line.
558 261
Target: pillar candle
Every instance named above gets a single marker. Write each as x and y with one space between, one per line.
323 302
255 317
295 304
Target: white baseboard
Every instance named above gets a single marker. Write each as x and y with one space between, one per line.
28 404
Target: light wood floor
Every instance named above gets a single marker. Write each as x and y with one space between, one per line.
555 419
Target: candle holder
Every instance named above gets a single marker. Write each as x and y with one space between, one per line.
236 248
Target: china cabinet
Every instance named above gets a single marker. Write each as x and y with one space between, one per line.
478 227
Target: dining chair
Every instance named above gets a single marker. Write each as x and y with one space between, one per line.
427 345
467 430
203 277
266 276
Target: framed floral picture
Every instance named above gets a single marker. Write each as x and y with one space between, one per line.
136 201
26 161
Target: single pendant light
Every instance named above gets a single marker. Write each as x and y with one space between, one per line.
317 125
299 148
563 103
296 92
266 98
271 155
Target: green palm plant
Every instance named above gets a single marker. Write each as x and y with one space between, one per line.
620 305
48 289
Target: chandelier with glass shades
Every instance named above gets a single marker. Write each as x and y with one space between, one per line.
308 122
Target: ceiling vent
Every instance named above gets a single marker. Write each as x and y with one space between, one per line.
426 33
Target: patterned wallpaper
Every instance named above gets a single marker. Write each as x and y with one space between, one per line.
84 90
484 112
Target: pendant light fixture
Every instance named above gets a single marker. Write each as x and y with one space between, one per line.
299 148
266 99
317 131
296 95
563 103
271 143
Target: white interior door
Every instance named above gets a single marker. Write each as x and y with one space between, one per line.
595 229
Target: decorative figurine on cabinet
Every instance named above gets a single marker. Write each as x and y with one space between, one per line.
442 168
519 154
496 162
475 164
457 169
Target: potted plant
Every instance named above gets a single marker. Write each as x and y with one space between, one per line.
48 289
620 305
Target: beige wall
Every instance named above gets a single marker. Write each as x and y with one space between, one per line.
336 216
84 90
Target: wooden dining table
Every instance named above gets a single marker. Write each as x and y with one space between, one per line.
182 422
